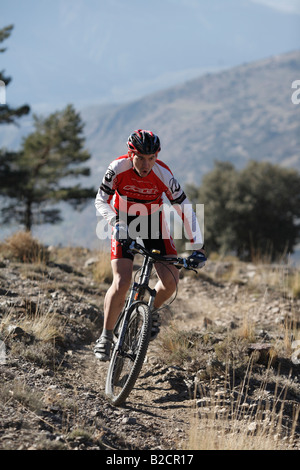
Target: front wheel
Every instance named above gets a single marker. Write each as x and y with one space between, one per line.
126 362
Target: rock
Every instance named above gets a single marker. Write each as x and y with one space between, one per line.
18 333
264 353
89 262
128 420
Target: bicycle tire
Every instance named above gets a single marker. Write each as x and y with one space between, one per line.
124 370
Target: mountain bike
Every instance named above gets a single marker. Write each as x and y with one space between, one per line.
133 328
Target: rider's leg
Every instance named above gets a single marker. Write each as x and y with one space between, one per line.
116 294
113 304
168 280
166 286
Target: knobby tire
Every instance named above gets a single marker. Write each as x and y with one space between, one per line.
125 365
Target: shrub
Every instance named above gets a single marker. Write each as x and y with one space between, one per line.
23 247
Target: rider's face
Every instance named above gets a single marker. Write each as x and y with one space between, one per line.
143 163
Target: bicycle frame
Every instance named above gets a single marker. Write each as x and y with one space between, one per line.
137 292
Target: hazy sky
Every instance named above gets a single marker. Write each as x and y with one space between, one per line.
101 51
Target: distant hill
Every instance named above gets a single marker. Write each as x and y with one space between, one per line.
238 114
235 115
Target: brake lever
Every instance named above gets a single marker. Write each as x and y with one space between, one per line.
186 265
193 269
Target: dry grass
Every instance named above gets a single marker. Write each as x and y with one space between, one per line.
43 327
281 276
21 246
22 394
183 348
34 337
294 283
232 419
102 272
227 434
177 346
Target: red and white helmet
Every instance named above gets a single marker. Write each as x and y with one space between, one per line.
143 142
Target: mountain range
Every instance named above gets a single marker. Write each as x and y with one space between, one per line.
235 115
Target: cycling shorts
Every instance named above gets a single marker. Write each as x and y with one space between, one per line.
153 238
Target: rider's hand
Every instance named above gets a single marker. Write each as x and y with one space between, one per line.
120 232
197 259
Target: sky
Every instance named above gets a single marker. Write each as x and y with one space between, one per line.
90 52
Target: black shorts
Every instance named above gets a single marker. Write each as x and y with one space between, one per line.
154 233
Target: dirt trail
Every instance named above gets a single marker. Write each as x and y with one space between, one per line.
159 410
156 413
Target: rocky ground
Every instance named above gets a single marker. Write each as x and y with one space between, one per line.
224 356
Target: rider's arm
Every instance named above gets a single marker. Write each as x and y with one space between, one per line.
105 195
102 204
185 210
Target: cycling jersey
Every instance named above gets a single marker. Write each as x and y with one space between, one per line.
124 192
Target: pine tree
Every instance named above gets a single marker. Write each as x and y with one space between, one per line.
9 115
34 180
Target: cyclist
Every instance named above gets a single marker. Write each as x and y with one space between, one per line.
131 197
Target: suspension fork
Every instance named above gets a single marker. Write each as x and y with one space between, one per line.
143 284
137 290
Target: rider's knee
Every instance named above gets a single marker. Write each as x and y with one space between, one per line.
170 282
122 283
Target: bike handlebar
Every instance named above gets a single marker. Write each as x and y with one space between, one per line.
178 262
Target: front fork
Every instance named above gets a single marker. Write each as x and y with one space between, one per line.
139 288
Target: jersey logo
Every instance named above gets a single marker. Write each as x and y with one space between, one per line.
145 191
174 185
109 175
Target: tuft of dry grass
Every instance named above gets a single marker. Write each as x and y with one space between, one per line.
21 246
45 327
177 346
34 337
21 393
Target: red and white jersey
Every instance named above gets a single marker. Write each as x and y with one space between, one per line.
123 190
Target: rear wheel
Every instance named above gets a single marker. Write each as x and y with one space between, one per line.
125 364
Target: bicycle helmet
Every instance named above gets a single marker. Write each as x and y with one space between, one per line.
143 142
